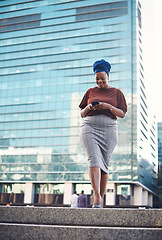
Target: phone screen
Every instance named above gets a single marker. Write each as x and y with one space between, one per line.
94 103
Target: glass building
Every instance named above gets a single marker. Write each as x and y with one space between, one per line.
160 145
160 164
47 49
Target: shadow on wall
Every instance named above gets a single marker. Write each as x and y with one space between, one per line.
48 198
11 197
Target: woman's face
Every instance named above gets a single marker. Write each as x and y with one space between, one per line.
101 79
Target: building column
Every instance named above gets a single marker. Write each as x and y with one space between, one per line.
110 194
138 195
150 200
29 192
145 198
68 187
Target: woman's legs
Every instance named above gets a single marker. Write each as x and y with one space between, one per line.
98 180
103 182
95 176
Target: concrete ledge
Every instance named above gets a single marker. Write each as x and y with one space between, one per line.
82 217
41 232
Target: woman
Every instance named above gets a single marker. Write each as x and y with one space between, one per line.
100 108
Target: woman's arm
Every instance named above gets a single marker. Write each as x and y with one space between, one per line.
117 112
86 110
102 106
106 106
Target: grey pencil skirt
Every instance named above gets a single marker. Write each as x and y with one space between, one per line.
98 136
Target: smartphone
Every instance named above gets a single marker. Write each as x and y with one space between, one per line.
94 103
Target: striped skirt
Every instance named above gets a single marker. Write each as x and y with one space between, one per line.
98 136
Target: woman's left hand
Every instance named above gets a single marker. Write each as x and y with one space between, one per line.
100 106
106 106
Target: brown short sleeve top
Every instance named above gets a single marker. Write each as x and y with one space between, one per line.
113 96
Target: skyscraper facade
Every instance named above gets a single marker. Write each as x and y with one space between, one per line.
47 49
160 164
160 145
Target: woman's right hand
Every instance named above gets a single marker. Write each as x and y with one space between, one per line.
86 110
90 107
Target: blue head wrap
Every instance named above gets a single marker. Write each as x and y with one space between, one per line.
101 66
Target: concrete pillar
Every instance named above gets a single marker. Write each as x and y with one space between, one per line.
132 195
150 200
110 194
145 198
68 187
29 192
138 196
